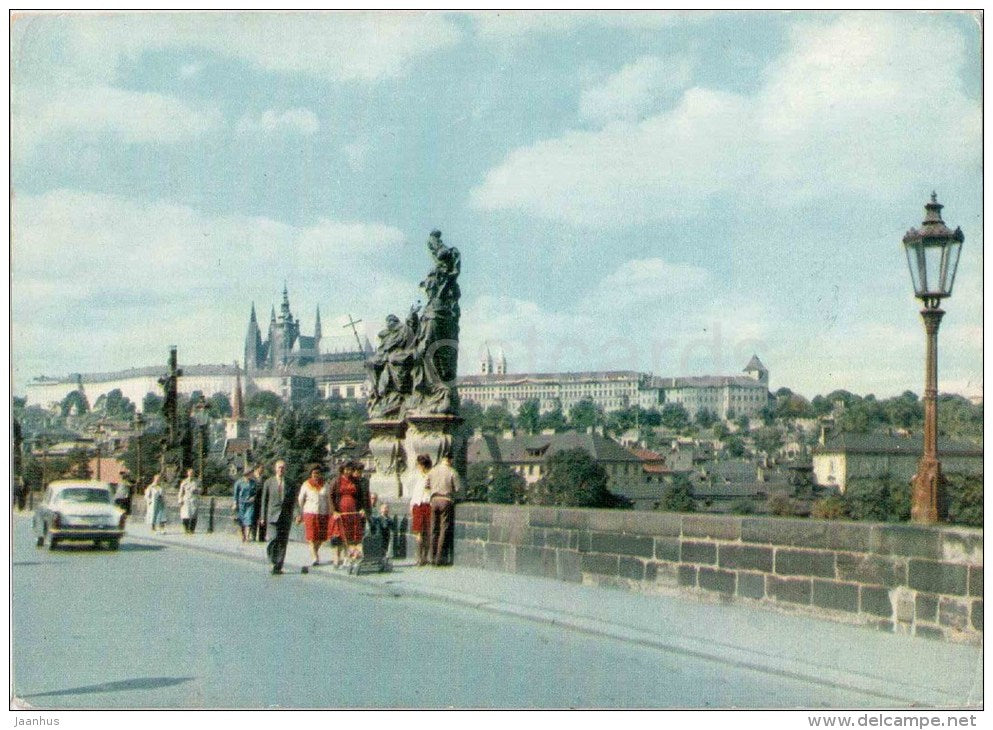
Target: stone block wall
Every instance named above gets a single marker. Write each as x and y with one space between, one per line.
920 580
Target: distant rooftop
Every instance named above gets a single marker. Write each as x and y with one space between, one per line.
859 443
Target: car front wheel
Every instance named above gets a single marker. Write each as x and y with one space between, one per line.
113 544
52 541
40 542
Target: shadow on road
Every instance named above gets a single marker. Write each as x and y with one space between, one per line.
120 686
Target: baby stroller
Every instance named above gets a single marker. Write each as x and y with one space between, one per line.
376 546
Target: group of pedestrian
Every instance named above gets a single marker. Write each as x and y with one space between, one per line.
432 510
335 512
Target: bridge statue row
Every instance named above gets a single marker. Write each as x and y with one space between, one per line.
413 400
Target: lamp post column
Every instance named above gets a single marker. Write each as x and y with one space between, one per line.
927 482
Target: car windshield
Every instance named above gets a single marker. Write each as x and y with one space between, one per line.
85 494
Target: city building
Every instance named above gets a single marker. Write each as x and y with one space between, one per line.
846 456
286 363
628 474
726 396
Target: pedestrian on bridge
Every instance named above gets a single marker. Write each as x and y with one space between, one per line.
443 482
155 511
245 490
349 507
314 501
189 498
420 510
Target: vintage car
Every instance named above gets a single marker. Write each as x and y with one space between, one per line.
79 510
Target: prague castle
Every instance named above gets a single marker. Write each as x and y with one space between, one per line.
291 365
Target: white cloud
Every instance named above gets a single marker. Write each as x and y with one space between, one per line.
859 105
113 270
332 46
647 281
638 88
271 122
669 163
97 110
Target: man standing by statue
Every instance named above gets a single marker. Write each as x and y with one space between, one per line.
442 484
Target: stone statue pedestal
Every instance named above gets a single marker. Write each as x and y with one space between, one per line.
434 435
388 457
395 444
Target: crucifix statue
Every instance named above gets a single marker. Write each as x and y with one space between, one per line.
352 323
170 405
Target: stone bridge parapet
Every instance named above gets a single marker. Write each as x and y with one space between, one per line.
910 579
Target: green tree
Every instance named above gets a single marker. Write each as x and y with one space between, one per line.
768 439
735 446
75 400
679 496
742 422
705 418
572 479
780 505
79 464
494 483
151 451
554 419
263 403
529 416
904 411
151 404
115 405
720 431
472 415
829 508
585 415
877 499
477 480
675 417
506 486
297 437
496 419
220 405
964 497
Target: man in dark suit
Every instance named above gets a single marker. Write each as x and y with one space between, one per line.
276 515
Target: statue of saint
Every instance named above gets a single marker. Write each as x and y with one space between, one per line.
414 366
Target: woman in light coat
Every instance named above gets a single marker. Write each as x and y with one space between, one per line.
189 493
155 513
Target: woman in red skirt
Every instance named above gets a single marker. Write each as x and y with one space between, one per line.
349 506
420 510
313 501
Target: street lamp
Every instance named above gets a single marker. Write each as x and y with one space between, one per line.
139 426
933 256
101 429
201 418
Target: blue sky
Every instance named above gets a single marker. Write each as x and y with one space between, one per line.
666 192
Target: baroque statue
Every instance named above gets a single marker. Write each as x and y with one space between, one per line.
414 367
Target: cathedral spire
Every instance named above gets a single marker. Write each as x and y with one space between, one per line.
272 317
317 324
253 342
284 310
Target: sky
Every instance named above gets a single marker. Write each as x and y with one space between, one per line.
668 192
